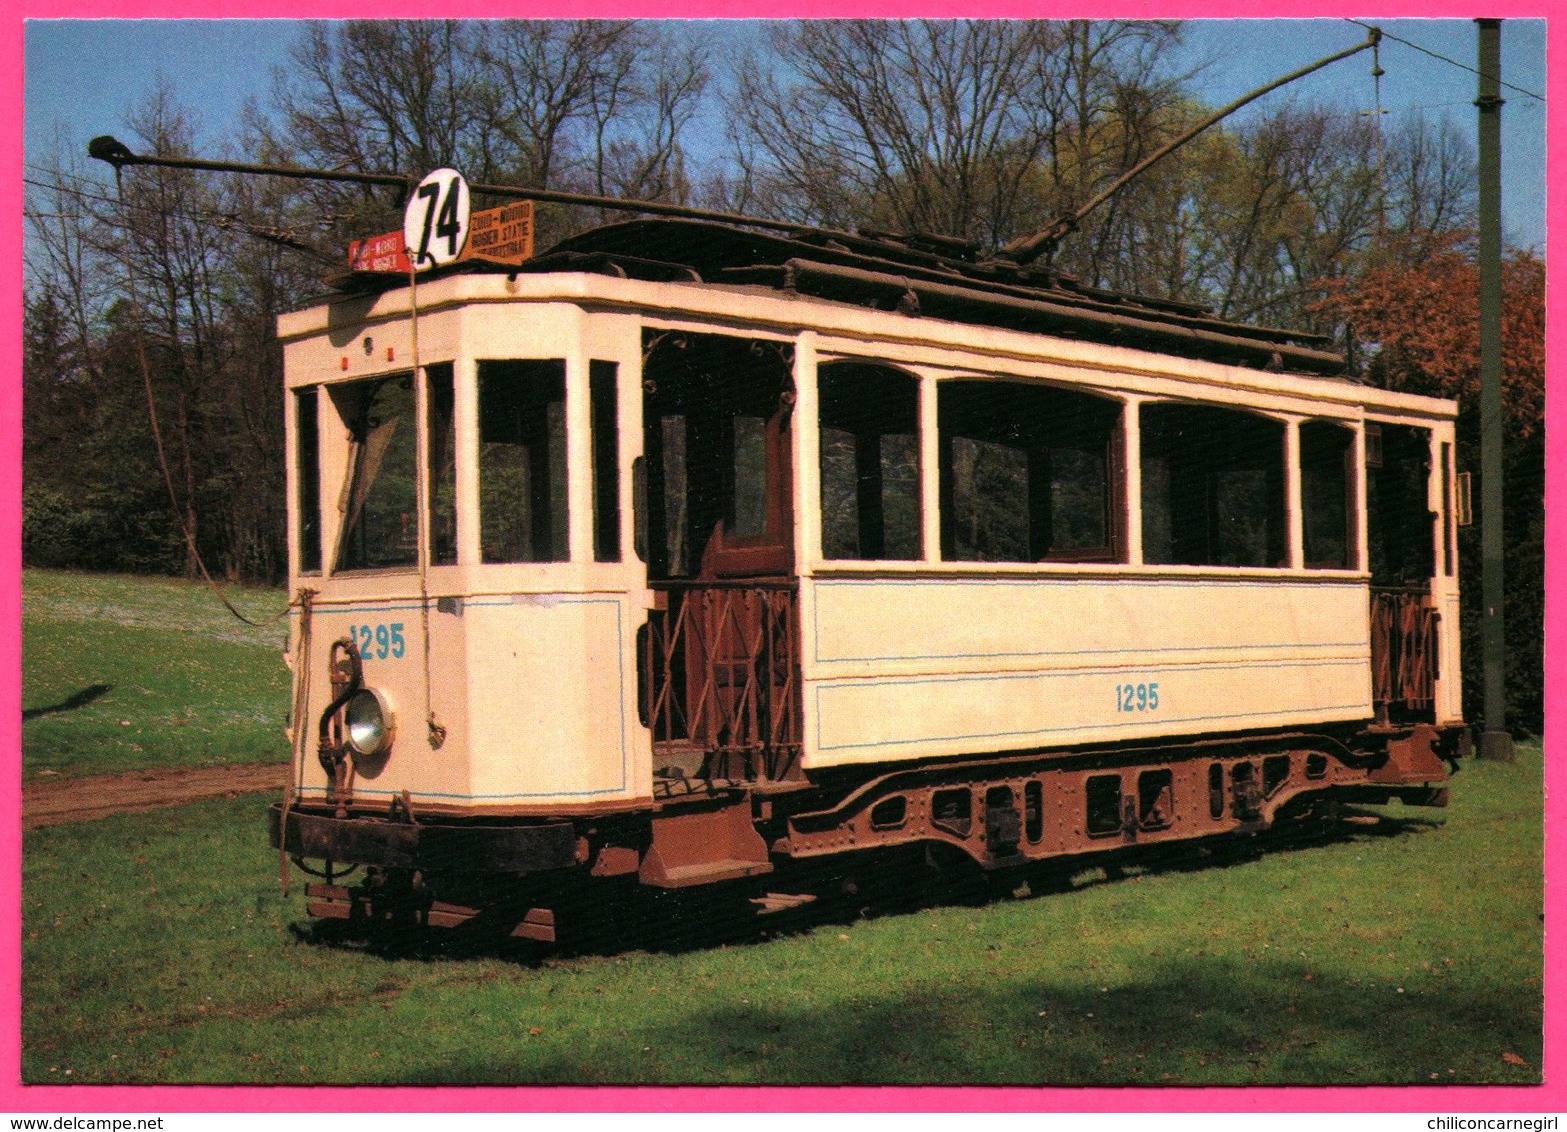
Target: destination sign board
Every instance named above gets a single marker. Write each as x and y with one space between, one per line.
496 235
501 235
379 254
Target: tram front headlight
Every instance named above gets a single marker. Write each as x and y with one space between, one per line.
369 723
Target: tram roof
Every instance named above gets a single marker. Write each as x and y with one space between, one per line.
918 275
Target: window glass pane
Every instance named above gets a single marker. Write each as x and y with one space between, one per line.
1027 473
840 495
1078 489
900 495
606 461
672 436
989 506
1158 544
380 528
750 477
522 461
307 439
1213 487
1326 511
1399 519
869 462
1242 499
443 465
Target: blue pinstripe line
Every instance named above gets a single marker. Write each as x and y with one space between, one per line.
1082 727
1108 579
479 797
984 677
318 611
914 583
468 603
1089 652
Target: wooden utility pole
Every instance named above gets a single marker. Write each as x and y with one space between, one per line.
1495 742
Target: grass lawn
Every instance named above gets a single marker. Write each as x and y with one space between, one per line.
156 948
120 673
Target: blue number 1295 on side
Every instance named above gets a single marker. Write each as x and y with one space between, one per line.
1137 697
379 641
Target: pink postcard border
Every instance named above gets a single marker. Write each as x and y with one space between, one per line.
15 1097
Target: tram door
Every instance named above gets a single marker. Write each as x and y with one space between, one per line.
720 681
1402 532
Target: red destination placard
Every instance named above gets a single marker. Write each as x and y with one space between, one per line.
383 253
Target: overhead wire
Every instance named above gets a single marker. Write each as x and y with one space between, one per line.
286 236
139 340
1462 66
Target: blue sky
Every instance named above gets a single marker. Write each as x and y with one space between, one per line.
84 77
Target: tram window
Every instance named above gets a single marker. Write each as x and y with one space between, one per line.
1326 502
989 515
716 438
672 467
869 462
1026 473
522 461
443 464
380 528
1213 487
307 441
749 473
1398 511
602 378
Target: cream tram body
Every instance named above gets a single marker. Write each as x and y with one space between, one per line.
509 661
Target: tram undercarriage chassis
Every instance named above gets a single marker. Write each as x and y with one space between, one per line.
1000 812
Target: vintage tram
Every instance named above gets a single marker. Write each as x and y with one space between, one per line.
689 555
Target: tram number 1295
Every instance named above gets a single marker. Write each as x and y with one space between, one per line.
1137 697
379 641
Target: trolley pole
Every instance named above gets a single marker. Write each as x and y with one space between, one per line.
1495 742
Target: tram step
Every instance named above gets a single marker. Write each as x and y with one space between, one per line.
706 872
771 902
704 845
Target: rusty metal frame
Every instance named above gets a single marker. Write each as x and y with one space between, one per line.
1403 650
1258 781
721 675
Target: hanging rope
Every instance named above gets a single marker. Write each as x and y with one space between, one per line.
304 599
299 731
186 532
436 733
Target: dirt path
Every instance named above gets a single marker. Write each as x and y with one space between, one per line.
53 801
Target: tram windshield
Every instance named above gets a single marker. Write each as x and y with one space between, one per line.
522 461
380 529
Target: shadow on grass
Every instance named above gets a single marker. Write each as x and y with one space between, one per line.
607 918
1189 1020
1196 1016
75 700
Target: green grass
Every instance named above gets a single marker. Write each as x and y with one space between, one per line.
156 948
120 673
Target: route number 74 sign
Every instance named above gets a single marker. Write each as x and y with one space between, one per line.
435 222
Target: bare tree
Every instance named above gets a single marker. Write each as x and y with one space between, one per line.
639 124
589 106
378 95
1428 175
980 129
